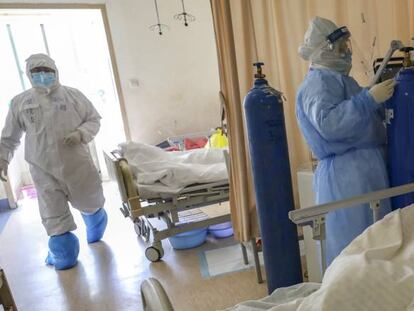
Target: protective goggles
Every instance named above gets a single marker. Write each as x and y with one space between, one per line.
340 38
341 32
41 69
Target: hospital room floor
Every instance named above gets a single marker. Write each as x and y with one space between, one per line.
109 273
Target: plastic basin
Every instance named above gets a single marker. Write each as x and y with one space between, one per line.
223 230
189 239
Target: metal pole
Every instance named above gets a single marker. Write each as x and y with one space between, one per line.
375 206
244 252
16 58
319 233
395 45
257 261
42 29
323 255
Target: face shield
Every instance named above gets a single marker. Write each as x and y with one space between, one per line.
340 33
339 42
41 69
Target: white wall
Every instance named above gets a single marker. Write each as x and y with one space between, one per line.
177 72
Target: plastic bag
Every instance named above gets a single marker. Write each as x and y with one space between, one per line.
217 140
195 143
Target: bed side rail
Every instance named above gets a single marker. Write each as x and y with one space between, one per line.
120 171
315 216
307 215
112 161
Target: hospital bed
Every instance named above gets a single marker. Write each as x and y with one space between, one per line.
315 216
153 293
157 218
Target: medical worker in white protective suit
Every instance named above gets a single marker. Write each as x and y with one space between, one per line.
343 125
59 122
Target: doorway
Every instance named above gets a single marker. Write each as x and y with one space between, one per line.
78 42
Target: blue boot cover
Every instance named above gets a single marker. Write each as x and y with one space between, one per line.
95 225
63 251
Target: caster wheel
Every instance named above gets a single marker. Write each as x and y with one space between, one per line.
158 246
152 254
161 250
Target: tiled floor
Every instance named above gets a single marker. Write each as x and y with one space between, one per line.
109 273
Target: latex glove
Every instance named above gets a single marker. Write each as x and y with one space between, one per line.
74 138
382 91
3 169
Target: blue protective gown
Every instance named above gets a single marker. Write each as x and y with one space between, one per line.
343 126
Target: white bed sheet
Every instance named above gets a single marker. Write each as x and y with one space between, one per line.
374 273
160 173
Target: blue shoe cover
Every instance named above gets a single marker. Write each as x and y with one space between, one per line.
63 251
95 225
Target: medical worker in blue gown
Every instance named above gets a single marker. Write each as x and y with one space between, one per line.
59 122
343 125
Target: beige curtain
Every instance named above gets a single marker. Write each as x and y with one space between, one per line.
241 197
271 31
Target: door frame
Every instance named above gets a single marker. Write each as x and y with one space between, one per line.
105 19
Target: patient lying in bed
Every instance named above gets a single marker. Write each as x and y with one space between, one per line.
159 173
375 272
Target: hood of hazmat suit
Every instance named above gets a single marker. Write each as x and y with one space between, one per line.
42 60
325 45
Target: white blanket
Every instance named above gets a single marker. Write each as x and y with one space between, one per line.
374 273
159 173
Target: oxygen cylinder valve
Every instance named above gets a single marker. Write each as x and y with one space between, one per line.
259 74
407 57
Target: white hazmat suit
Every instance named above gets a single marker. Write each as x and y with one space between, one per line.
63 171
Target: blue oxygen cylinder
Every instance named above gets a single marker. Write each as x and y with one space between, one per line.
400 136
272 181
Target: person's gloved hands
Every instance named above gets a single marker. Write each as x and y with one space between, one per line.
382 91
3 169
74 138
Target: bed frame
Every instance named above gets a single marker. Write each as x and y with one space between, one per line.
315 216
147 214
6 297
154 296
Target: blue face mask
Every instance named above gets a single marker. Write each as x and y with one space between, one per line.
43 79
